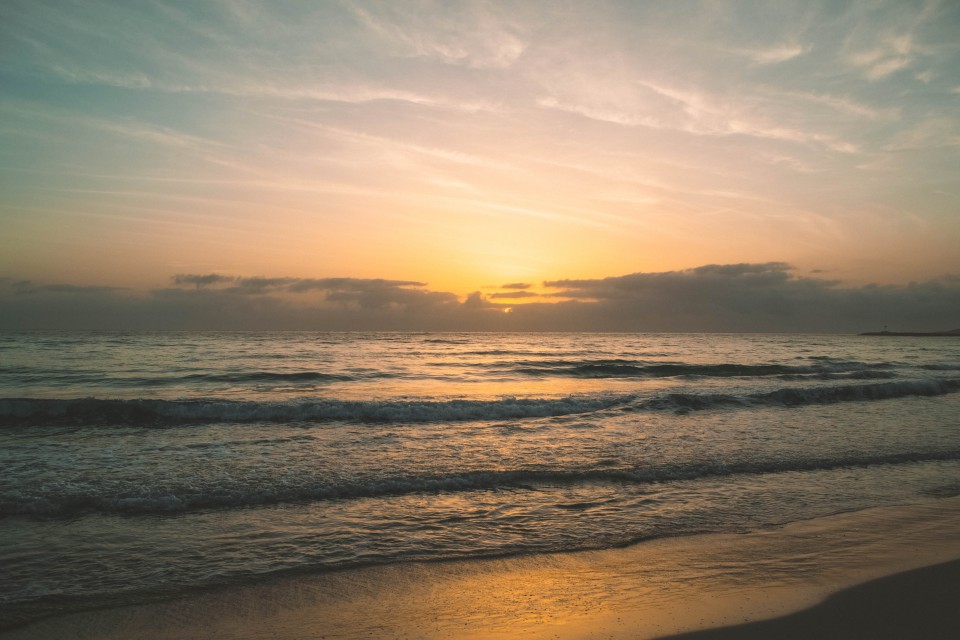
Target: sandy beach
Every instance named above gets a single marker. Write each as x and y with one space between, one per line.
913 604
701 586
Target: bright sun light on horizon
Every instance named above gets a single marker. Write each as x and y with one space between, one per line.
464 145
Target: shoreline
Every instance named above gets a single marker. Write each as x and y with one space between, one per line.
697 585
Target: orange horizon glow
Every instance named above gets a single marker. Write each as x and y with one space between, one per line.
471 145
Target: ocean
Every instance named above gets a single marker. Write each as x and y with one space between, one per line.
140 466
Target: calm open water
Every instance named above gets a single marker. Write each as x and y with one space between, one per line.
140 465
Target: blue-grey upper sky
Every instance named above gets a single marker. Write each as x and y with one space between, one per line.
448 148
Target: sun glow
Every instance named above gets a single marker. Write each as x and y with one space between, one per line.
364 144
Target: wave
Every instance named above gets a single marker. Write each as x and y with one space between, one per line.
171 500
866 374
94 411
618 368
941 366
800 396
150 412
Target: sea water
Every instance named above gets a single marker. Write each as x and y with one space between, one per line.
136 466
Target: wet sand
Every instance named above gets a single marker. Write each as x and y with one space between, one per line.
649 590
915 604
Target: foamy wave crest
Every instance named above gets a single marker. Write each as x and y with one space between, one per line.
864 374
799 396
71 500
94 411
941 366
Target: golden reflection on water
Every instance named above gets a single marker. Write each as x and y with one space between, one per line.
644 591
494 389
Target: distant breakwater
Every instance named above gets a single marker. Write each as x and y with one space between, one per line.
955 333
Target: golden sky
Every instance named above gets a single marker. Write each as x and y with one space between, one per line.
466 145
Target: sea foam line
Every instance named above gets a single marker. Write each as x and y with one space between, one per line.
144 412
624 368
802 396
94 411
71 500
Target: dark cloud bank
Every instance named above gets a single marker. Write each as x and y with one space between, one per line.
737 298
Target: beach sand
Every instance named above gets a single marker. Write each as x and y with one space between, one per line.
915 604
705 584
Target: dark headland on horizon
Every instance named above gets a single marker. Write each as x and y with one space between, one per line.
952 332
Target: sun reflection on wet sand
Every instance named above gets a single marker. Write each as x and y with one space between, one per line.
643 591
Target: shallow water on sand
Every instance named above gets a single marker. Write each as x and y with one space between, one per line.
137 465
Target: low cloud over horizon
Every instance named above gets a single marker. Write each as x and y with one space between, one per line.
745 297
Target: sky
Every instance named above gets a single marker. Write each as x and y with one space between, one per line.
490 165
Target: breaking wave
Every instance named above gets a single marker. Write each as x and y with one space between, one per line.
90 411
149 412
619 368
800 396
139 500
